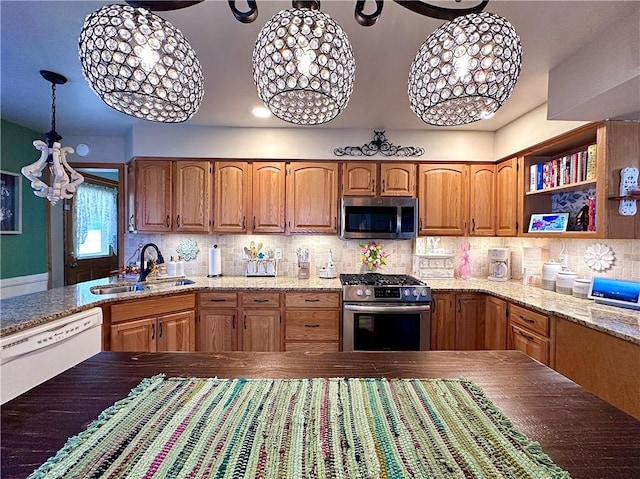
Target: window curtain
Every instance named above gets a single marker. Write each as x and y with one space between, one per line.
96 204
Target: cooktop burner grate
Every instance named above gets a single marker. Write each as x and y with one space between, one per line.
379 279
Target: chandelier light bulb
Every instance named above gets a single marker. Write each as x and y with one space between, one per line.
140 64
465 70
303 66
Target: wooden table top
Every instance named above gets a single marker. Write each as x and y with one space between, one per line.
582 434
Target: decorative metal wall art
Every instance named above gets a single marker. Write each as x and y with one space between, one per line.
379 144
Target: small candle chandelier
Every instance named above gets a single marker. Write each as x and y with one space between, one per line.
64 179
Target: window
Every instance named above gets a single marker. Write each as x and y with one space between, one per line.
95 220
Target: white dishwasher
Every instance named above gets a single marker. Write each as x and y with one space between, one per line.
31 357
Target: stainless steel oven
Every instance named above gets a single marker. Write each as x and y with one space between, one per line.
385 313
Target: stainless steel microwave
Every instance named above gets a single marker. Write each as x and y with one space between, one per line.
379 218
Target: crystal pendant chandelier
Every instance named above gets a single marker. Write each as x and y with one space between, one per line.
303 65
465 70
64 179
140 64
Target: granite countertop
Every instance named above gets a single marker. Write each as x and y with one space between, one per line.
22 312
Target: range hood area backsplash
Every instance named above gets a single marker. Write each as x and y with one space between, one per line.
346 253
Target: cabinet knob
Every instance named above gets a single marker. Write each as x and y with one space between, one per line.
254 222
383 186
473 225
178 221
373 186
233 322
244 322
244 222
160 330
153 331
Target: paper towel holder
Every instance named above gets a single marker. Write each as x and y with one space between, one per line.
215 247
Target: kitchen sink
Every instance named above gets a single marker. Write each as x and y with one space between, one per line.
117 288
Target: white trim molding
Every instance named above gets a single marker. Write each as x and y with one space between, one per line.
20 285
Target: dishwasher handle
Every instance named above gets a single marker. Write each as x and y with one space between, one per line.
12 350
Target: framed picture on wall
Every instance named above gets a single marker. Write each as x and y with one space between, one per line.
549 223
10 203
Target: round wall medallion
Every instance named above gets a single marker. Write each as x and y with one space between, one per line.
187 249
599 257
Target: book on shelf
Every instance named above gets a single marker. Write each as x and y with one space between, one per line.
591 163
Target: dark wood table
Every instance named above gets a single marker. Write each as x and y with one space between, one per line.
582 434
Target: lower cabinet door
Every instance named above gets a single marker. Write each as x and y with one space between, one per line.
139 335
495 334
529 343
176 332
260 330
217 331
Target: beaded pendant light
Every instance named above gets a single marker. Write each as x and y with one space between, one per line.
465 70
140 64
303 66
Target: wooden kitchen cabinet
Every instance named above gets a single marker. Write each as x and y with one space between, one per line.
261 320
506 200
482 209
312 321
154 324
249 197
607 366
456 199
171 196
496 315
312 197
443 197
231 198
217 322
531 333
616 146
239 321
443 325
470 322
457 321
268 197
378 179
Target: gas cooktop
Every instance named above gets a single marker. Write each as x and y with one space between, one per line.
394 288
378 279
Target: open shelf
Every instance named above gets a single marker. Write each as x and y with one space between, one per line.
580 185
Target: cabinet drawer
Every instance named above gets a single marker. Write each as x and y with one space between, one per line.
312 347
312 300
151 307
531 344
536 322
312 325
253 299
218 299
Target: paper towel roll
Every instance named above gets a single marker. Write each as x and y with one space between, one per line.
215 261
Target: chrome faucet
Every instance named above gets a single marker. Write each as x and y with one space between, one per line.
144 272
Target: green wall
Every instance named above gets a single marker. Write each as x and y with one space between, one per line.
26 253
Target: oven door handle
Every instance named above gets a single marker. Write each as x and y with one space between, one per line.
387 308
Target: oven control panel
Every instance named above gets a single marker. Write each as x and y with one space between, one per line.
404 294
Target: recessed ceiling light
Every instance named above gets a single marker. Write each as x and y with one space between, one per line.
261 112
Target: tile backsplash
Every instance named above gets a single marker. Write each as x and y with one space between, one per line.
346 253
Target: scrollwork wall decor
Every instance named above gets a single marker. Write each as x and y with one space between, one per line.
381 145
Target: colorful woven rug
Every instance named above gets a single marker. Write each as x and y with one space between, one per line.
303 428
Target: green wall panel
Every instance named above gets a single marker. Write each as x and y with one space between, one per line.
26 253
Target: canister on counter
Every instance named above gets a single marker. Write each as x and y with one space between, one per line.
550 270
564 281
581 287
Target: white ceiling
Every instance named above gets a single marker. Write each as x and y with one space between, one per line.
38 35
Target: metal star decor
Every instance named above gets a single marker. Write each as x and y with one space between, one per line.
379 144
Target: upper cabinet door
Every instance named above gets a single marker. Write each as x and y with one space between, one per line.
443 199
231 196
397 179
312 198
153 196
358 178
193 196
482 200
268 204
507 198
